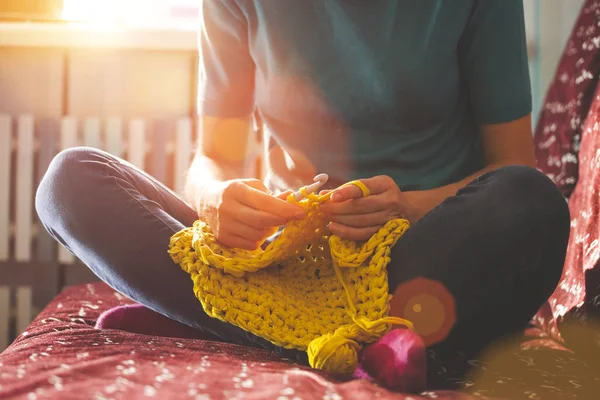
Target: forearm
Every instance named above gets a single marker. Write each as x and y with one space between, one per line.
426 200
503 144
203 174
220 156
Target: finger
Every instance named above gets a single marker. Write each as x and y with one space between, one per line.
258 219
238 242
361 220
379 184
365 205
237 228
284 195
260 186
376 185
345 193
256 184
268 203
351 233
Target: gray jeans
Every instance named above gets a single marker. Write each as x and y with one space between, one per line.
498 246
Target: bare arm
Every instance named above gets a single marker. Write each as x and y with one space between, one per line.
241 212
503 144
220 155
356 217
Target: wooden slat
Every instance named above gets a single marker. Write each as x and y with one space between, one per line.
68 139
24 296
24 183
68 133
183 152
137 143
48 146
92 133
158 157
42 277
114 137
5 150
4 317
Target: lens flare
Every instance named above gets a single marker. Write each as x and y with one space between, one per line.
428 305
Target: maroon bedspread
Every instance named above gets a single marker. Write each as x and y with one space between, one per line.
560 126
61 356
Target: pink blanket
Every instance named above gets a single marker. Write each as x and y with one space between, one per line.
61 356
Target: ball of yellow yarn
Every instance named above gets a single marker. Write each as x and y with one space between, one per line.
333 352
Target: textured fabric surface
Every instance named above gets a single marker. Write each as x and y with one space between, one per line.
583 253
62 356
558 133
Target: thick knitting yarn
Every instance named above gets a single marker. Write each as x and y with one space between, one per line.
306 290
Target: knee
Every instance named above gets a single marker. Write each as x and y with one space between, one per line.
536 200
537 213
65 180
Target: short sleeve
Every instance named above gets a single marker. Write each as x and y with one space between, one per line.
494 62
226 68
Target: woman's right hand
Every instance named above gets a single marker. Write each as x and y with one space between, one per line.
243 214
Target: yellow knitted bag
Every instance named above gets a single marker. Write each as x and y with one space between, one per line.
306 290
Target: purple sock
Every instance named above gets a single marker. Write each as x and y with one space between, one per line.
136 318
396 361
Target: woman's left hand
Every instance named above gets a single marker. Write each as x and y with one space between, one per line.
355 217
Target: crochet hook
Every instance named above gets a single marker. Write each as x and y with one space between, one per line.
319 180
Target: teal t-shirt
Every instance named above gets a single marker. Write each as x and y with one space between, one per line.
358 88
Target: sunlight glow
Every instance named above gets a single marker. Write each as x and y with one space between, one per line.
129 12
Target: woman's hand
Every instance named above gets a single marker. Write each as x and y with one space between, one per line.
355 217
243 214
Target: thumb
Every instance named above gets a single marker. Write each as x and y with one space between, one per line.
284 195
256 184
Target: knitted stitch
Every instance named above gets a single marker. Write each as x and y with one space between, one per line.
306 290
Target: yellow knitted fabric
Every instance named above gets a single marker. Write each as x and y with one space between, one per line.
306 290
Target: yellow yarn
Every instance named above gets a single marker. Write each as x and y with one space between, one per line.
306 290
363 188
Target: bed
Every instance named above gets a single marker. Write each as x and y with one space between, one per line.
62 356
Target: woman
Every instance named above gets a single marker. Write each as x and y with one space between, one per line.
427 102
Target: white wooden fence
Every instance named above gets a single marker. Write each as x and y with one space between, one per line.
27 252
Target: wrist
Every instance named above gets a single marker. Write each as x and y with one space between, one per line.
420 203
201 195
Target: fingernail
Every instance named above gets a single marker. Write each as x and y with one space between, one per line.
300 214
